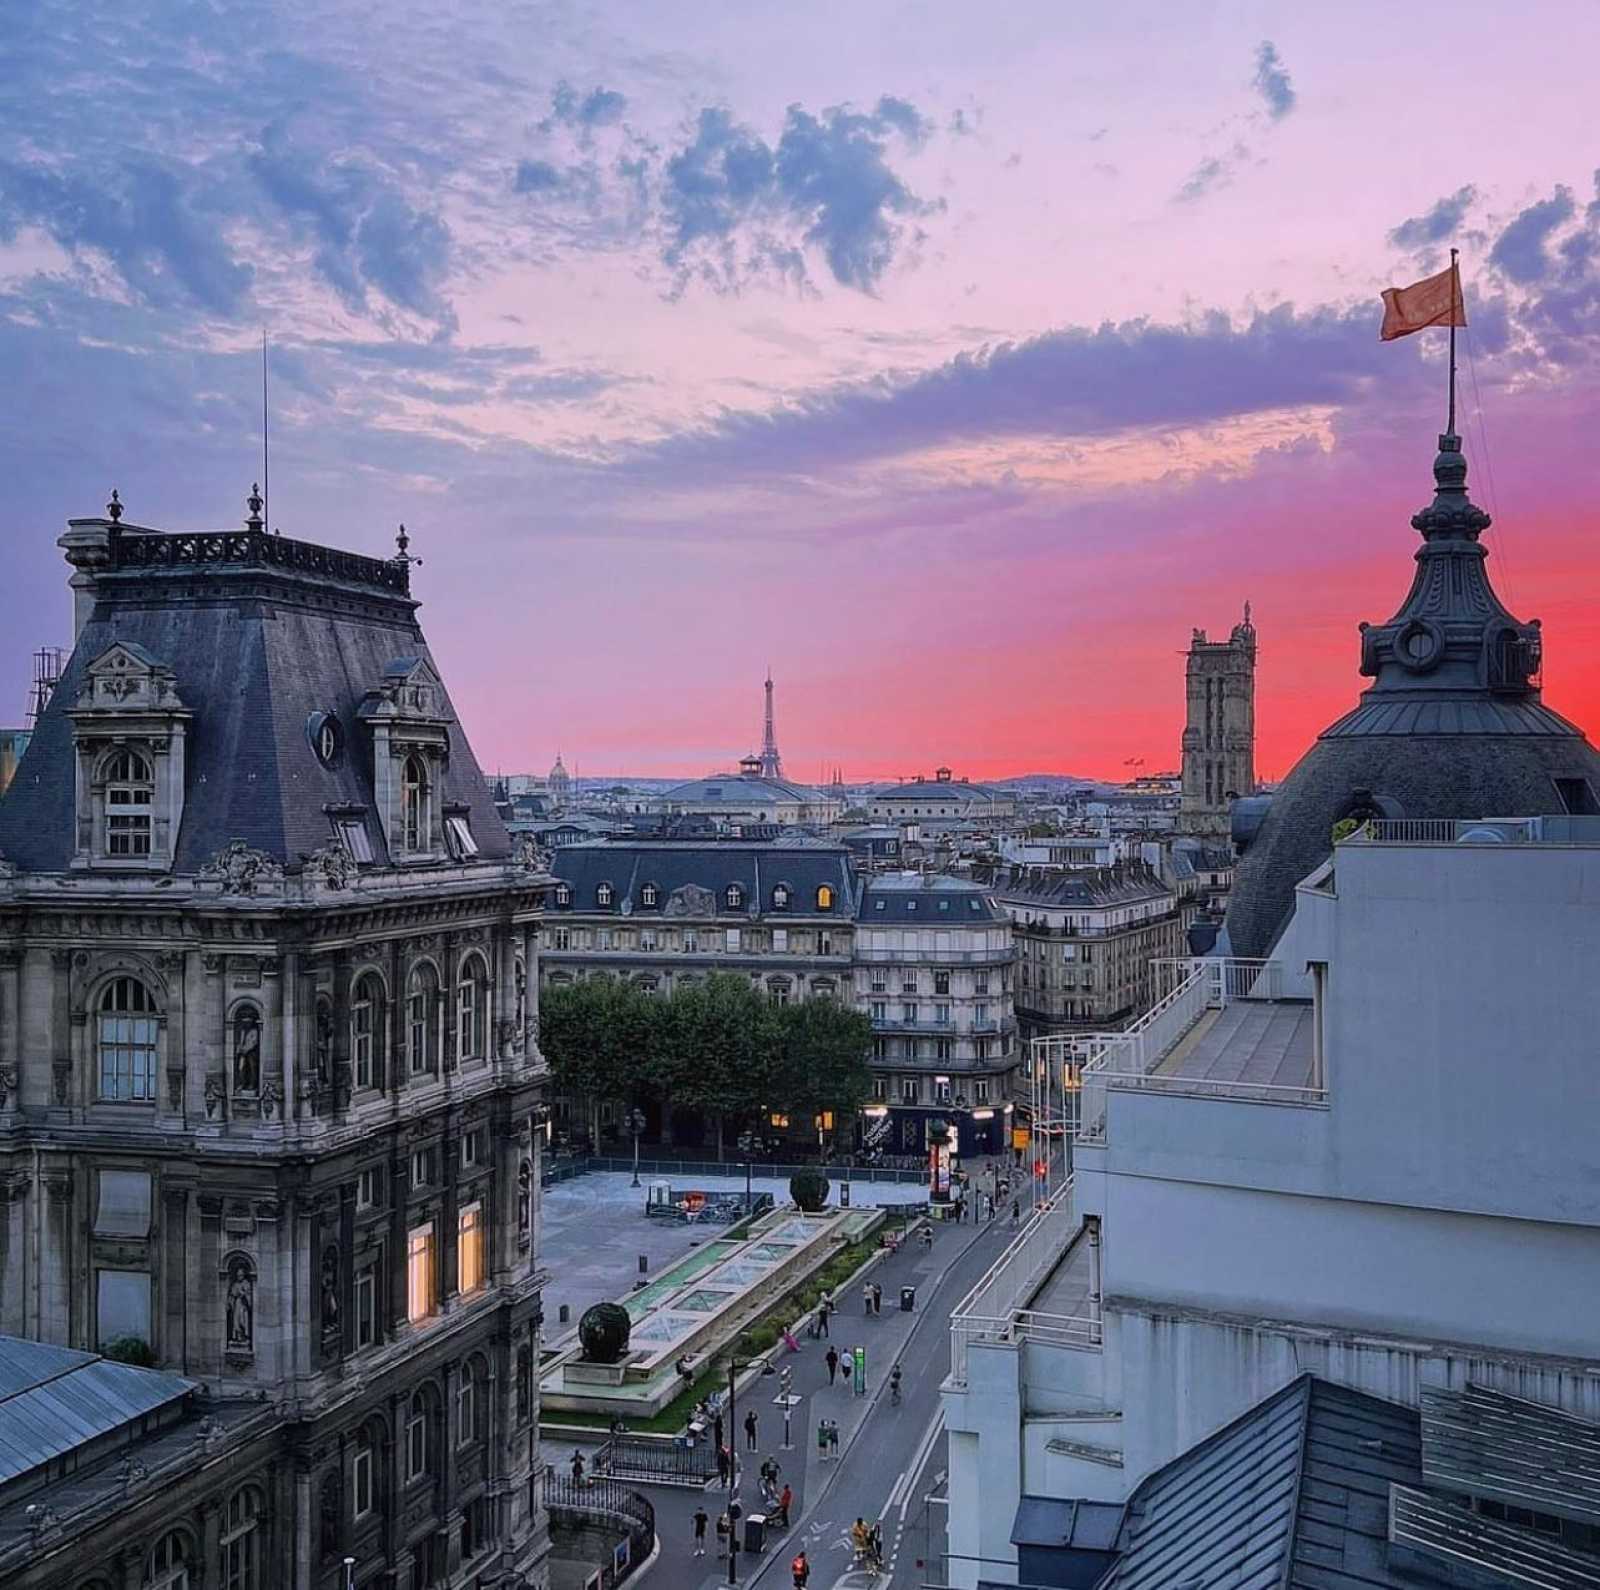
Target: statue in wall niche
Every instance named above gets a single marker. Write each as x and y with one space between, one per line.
324 1043
328 1516
524 1198
524 1384
247 1050
241 1306
330 1289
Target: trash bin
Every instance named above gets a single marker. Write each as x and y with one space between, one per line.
755 1532
908 1299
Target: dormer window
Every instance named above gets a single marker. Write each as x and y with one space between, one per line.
414 824
735 897
780 897
649 896
352 835
563 894
825 897
604 895
130 792
458 834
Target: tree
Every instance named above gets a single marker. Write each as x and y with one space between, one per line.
713 1043
598 1036
819 1060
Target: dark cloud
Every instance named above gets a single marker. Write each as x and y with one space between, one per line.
1212 173
140 217
1519 253
736 206
537 176
1271 81
405 253
1435 225
600 107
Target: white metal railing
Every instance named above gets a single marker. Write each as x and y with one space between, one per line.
993 1311
1443 830
1130 1059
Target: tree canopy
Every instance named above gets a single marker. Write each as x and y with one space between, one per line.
721 1047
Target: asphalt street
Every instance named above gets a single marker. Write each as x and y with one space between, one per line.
891 1457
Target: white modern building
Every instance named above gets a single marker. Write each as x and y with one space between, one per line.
1373 1158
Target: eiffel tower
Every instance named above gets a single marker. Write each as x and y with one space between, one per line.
771 762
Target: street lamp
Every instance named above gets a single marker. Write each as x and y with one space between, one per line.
349 1573
635 1126
747 1147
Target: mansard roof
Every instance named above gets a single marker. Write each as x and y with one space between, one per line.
1080 888
262 635
756 867
926 899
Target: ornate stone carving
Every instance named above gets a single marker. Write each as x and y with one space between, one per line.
329 1280
239 869
247 1050
170 962
216 1095
59 1187
329 868
271 1097
61 1079
528 856
212 964
690 900
525 1201
8 1084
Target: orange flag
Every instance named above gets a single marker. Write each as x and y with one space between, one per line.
1434 301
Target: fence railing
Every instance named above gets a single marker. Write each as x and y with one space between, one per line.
995 1310
658 1459
625 1512
682 1168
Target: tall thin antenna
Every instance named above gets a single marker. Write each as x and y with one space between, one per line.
1455 316
266 473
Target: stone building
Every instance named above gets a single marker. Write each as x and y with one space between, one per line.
933 969
269 1084
944 795
749 798
1086 940
1219 736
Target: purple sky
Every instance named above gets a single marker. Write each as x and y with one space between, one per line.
955 362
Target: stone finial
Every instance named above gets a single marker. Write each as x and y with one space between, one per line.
114 507
402 543
254 503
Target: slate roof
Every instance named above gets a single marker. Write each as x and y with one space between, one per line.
954 790
735 788
925 899
256 648
756 866
54 1400
1080 888
1319 1487
1292 1494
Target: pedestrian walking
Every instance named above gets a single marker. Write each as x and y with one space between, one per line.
722 1534
833 1363
877 1298
824 1309
577 1468
866 1297
700 1521
833 1439
801 1569
822 1440
716 1434
785 1502
750 1425
1016 1211
723 1461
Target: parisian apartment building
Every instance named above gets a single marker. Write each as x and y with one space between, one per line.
270 1092
929 958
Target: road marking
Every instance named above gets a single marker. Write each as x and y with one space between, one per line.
920 1461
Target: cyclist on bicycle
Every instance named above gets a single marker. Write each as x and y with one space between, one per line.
894 1384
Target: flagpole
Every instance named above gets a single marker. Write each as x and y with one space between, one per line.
1455 309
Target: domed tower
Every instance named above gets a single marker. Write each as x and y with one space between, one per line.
559 783
1451 727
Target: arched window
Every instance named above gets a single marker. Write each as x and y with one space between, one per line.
367 1027
167 1567
366 1476
247 1050
472 999
241 1541
735 897
825 897
422 1019
130 793
128 1031
419 1436
469 1394
416 824
780 897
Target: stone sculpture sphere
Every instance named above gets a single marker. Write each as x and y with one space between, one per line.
604 1331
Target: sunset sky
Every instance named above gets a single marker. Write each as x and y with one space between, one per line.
955 360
